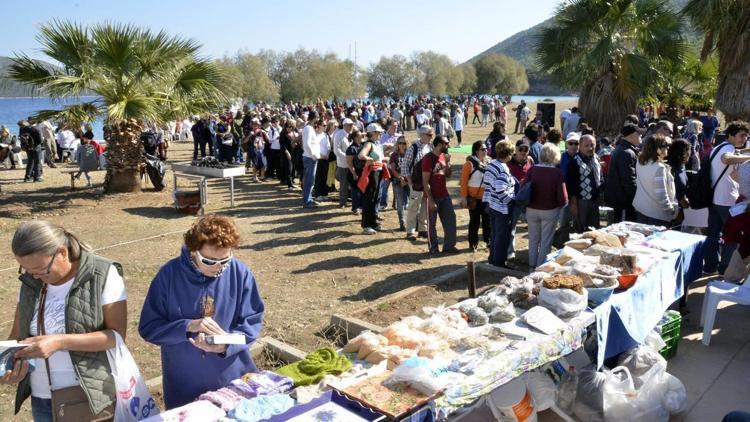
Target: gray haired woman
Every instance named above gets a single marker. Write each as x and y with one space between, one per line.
81 299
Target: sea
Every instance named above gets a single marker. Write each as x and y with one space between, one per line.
14 109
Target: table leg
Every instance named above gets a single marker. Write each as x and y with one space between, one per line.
204 182
231 191
174 181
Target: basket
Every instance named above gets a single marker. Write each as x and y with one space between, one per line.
669 327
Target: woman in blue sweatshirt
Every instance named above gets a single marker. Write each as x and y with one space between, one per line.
204 291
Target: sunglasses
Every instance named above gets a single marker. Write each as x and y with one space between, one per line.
211 262
572 143
523 148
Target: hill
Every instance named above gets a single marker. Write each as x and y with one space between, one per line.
9 88
520 46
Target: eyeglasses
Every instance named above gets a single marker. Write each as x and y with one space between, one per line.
211 262
49 267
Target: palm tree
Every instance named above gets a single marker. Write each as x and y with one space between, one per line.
611 50
136 75
726 26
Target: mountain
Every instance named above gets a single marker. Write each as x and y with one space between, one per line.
520 46
9 88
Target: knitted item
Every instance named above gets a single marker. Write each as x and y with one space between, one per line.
224 398
315 366
264 383
261 408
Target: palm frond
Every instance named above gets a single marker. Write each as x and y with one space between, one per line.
74 115
26 70
114 48
68 43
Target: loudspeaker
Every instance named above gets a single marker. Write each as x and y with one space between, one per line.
548 112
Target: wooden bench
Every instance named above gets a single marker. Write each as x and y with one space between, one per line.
72 172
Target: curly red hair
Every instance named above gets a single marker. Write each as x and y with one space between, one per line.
213 229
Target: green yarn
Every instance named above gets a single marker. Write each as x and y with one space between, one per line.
315 366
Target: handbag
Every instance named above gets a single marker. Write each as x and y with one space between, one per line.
523 196
69 404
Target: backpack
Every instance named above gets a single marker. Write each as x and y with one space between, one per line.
700 191
87 159
416 169
26 143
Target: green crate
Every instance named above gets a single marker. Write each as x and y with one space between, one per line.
669 327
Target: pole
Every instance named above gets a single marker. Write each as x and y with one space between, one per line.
472 279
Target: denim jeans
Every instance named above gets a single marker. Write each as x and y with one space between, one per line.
500 239
479 217
447 219
356 197
402 201
542 224
41 409
383 196
716 256
515 216
308 181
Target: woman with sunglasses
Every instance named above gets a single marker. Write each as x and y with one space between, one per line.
202 293
655 199
62 286
472 193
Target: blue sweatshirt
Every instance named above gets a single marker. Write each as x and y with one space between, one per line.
180 293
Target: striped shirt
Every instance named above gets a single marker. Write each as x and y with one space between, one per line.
409 159
499 186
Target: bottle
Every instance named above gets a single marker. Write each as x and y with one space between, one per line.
566 394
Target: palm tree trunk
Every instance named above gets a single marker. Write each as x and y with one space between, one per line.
733 93
124 158
602 106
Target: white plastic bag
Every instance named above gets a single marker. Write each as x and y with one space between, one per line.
542 389
564 303
622 402
416 373
639 361
134 401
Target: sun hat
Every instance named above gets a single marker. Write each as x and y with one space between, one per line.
374 127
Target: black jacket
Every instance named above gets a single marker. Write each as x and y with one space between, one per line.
619 189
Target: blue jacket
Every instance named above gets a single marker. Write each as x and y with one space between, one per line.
179 294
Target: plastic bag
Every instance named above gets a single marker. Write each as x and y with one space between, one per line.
622 402
639 360
416 373
564 303
542 390
134 401
589 405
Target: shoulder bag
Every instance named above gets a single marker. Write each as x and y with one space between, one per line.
69 404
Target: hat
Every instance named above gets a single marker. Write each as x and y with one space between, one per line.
347 121
374 127
424 130
629 129
354 113
573 136
23 123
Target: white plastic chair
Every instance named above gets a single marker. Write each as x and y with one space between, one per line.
721 291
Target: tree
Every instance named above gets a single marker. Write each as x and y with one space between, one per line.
436 74
391 77
249 78
691 83
613 50
500 74
726 26
469 80
137 75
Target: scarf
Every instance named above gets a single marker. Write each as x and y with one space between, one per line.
586 169
315 366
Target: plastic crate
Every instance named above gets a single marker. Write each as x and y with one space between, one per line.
670 327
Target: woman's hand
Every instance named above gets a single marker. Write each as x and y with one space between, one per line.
20 369
40 346
200 342
205 325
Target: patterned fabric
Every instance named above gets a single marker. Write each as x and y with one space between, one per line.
520 357
586 170
499 186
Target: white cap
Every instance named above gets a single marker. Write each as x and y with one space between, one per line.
347 121
374 127
573 136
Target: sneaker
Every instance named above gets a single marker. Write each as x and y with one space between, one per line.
315 203
451 251
27 179
368 230
40 179
411 236
423 235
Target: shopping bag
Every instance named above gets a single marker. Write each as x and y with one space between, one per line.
134 401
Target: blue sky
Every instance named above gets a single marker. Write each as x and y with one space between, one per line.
458 28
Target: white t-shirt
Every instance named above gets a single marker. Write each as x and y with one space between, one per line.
273 135
727 190
61 367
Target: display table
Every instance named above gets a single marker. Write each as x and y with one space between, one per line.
624 320
187 170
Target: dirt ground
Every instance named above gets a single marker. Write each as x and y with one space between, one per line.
309 264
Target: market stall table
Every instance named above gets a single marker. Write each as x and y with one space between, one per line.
187 170
624 320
